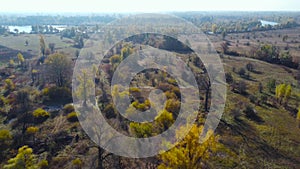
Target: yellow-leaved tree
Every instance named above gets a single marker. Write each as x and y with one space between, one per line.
191 154
24 159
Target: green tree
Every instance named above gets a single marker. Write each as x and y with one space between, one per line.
284 38
271 85
59 69
242 72
224 33
25 159
77 53
288 92
51 47
23 99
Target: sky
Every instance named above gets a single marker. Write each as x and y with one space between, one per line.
123 6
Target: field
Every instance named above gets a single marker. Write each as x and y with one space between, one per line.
17 43
242 43
277 133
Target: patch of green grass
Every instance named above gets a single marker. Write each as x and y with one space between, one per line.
276 139
18 43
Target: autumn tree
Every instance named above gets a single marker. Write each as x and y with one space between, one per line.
283 92
21 59
9 85
42 45
214 28
5 141
163 121
11 63
125 52
24 159
191 154
141 130
59 69
86 83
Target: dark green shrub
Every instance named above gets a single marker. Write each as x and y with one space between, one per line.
60 94
109 111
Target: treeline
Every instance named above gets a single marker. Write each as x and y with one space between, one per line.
273 54
55 20
237 22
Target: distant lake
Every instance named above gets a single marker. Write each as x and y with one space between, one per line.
27 29
265 23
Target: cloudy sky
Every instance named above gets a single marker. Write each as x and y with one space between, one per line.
100 6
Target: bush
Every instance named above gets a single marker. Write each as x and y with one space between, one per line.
72 117
250 67
109 111
40 115
45 91
271 85
170 95
242 87
43 164
60 94
253 99
251 114
173 106
263 98
165 87
32 130
249 111
229 78
140 106
5 135
134 89
68 108
77 162
9 84
242 72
